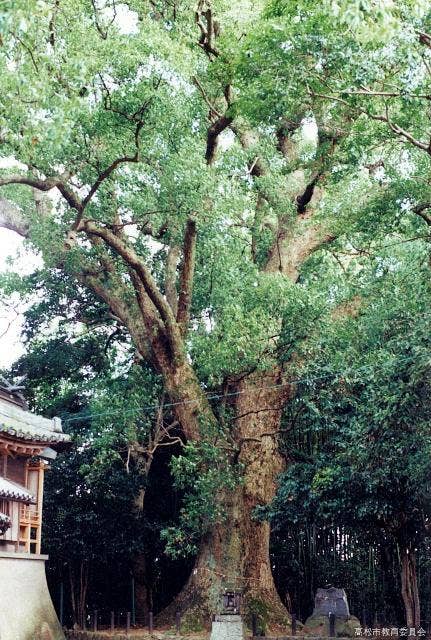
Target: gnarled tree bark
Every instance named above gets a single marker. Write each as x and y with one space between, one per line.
234 554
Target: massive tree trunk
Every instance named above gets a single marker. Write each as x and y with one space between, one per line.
234 554
409 587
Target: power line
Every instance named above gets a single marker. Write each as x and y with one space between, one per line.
294 381
190 401
156 407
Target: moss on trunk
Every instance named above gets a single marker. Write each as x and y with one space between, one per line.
235 553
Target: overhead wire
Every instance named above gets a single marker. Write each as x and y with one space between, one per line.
219 396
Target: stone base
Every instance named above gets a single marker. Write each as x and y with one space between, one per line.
317 625
26 609
228 627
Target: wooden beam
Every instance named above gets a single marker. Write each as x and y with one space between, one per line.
40 506
10 447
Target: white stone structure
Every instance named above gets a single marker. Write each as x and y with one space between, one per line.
227 627
26 610
26 442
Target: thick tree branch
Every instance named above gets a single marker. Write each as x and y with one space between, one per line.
172 259
40 184
187 276
11 218
294 247
46 184
152 323
424 38
150 319
121 309
294 241
213 133
135 262
208 27
421 210
148 311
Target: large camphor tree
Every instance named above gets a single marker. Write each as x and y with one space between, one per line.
203 169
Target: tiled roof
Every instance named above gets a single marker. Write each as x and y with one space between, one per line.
4 522
33 434
12 491
19 424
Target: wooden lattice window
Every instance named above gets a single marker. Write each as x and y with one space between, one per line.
5 507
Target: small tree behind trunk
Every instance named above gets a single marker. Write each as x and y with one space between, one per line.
409 586
78 592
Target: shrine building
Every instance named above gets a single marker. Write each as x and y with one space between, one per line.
27 443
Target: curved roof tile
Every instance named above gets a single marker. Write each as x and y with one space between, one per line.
34 435
13 491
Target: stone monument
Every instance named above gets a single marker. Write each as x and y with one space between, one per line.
331 600
228 624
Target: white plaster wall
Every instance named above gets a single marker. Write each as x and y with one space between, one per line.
26 610
32 482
